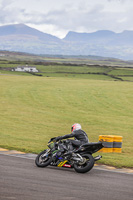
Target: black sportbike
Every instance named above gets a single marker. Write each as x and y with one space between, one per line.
62 154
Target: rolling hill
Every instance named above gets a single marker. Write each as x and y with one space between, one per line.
18 30
22 38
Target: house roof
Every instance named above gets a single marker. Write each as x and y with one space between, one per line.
27 66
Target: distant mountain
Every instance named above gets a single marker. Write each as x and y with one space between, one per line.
21 29
22 38
84 37
101 37
105 43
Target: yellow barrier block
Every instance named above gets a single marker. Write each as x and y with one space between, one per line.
106 138
117 138
117 150
107 141
112 143
117 143
106 150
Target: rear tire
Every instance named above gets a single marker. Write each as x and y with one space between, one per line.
43 160
87 166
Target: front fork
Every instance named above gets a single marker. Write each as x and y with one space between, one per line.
46 153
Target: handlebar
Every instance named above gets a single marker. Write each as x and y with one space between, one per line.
52 139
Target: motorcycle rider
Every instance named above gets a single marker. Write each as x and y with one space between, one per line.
79 135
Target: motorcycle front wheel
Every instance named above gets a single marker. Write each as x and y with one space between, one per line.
43 159
86 165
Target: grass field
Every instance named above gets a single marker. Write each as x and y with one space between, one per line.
89 71
34 109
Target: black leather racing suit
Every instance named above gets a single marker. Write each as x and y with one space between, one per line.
79 135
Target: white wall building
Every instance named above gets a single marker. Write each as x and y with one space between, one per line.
25 69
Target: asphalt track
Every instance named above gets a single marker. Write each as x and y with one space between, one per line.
20 179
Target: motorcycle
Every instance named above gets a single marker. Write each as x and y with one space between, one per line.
62 154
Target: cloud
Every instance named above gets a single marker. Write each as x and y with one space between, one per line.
8 15
58 17
89 18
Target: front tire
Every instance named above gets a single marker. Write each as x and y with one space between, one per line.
86 166
43 159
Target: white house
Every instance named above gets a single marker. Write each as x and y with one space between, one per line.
25 69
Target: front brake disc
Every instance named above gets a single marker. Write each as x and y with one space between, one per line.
83 162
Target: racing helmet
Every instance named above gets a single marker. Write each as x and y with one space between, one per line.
75 126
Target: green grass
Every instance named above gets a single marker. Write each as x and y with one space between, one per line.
122 71
71 69
14 73
34 109
54 74
79 76
5 65
127 78
89 71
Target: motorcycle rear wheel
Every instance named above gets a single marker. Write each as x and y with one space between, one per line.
42 160
86 166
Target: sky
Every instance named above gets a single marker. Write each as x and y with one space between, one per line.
58 17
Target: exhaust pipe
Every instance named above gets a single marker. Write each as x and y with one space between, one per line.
97 157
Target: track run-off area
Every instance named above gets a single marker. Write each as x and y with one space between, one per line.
20 179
